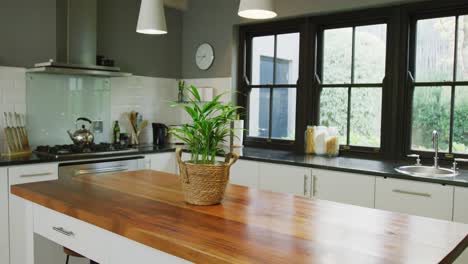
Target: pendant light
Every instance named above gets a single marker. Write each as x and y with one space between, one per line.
257 9
152 19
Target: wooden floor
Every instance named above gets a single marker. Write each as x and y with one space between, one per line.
250 226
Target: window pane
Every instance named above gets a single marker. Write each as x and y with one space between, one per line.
337 53
262 59
462 60
366 115
334 110
431 111
370 51
287 58
283 124
460 120
259 112
435 49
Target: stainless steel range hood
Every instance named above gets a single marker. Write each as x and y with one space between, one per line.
76 33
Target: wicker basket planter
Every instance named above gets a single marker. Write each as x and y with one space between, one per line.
204 184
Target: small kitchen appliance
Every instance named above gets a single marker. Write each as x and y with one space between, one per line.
160 132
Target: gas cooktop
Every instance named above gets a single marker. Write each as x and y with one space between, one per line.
60 151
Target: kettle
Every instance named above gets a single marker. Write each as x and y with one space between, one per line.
82 136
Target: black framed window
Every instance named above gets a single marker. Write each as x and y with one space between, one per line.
352 70
271 87
438 81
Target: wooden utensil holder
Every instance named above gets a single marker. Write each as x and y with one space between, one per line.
13 149
17 142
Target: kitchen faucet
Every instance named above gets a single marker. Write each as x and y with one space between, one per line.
435 144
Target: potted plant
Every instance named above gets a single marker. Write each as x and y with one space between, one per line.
204 179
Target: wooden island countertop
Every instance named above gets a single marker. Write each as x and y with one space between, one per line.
250 226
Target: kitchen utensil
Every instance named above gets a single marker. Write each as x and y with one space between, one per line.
14 136
82 136
8 135
25 132
22 131
16 130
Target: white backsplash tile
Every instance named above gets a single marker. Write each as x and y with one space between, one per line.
147 95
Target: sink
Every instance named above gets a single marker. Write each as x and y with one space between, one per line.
426 171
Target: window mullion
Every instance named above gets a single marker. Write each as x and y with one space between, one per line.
353 54
270 123
452 98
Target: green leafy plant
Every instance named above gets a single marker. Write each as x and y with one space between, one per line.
211 124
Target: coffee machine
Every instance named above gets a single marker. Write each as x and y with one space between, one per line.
160 132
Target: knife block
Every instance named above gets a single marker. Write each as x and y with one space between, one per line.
17 142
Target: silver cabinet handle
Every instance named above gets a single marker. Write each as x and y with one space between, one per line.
411 193
314 183
305 185
62 231
36 175
103 170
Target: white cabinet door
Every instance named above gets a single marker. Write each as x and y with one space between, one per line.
460 214
165 162
285 179
416 198
245 173
343 187
4 233
125 251
21 225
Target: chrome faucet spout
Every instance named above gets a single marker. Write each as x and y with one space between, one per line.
435 144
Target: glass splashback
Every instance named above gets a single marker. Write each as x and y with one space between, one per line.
54 102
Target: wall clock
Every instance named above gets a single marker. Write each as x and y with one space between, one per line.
205 56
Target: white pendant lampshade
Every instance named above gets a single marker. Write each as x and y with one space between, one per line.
257 9
152 19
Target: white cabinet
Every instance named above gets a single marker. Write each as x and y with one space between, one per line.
460 210
343 187
460 214
20 211
244 173
165 162
4 233
85 239
124 251
285 179
416 198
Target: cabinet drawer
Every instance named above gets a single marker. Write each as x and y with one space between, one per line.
416 198
343 187
33 173
285 179
86 239
244 173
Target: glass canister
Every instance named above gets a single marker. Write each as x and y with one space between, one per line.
309 140
332 143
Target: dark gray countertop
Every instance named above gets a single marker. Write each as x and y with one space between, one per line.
345 164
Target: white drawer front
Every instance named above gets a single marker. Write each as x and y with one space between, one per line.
416 198
84 238
33 173
343 187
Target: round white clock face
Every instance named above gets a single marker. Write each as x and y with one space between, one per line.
204 56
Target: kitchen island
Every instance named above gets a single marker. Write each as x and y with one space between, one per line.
140 217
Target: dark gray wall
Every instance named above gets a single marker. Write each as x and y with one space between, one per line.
147 55
214 21
209 21
27 32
